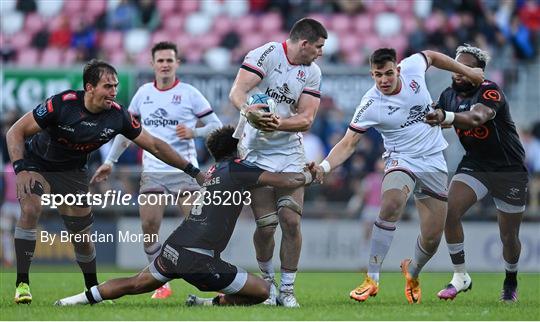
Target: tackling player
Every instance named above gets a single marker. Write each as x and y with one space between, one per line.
49 149
169 110
493 162
192 251
396 107
286 72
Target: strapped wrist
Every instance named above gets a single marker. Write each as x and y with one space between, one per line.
23 165
308 178
191 170
325 165
448 118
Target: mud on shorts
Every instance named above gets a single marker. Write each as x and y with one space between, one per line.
197 267
167 182
284 160
429 173
507 185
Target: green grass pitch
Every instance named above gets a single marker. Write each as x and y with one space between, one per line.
323 296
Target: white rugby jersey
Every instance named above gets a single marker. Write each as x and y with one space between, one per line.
284 82
399 118
161 111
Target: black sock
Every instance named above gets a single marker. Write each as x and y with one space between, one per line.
215 301
24 250
511 279
89 273
458 258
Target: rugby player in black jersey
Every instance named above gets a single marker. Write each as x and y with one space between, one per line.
49 148
493 163
192 251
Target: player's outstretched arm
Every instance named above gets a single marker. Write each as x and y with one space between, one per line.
23 128
441 61
288 180
165 153
476 116
301 122
119 145
339 154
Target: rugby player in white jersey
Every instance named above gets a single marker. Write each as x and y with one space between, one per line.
286 72
396 107
169 109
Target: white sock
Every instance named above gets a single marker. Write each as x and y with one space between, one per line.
421 257
267 268
287 280
152 251
381 239
75 299
95 293
511 267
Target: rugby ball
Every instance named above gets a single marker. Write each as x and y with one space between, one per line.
263 99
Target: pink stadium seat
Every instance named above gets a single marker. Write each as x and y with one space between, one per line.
165 7
362 24
193 55
70 56
74 6
51 57
206 41
246 25
173 23
27 57
355 58
349 43
409 23
372 42
143 58
222 25
95 8
402 7
377 6
117 58
322 18
184 42
20 40
270 23
340 23
187 6
34 23
112 41
160 35
251 41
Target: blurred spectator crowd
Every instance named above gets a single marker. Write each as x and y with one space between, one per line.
217 33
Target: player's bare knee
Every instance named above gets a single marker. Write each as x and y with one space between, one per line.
30 210
391 210
290 224
150 225
509 238
262 291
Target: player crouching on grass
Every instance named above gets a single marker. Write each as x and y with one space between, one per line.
192 251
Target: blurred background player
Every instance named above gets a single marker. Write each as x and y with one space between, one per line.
192 251
396 107
493 163
168 109
367 201
286 72
10 210
49 148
